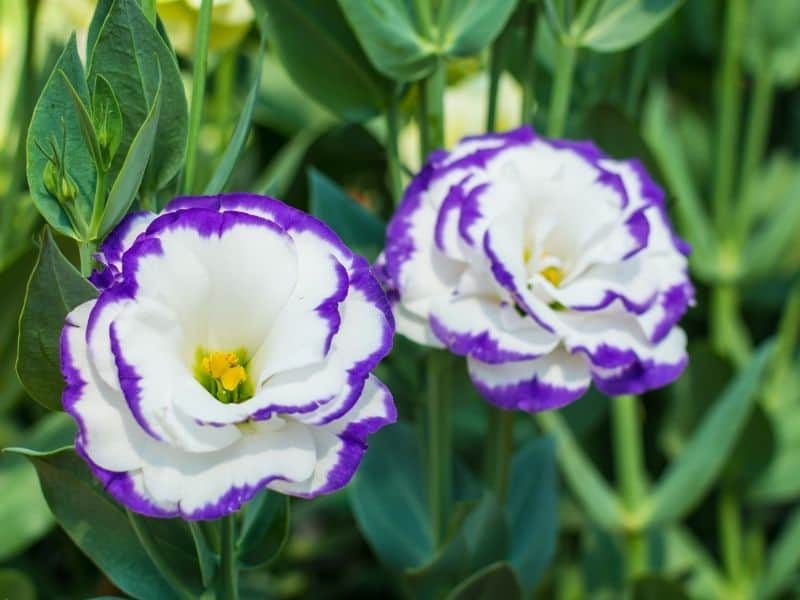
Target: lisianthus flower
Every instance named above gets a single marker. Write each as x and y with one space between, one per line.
465 109
229 350
544 262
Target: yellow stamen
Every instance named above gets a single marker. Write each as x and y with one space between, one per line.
233 377
553 274
217 364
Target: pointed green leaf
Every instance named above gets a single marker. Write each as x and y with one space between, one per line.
469 26
688 478
130 175
98 525
85 121
495 581
130 54
782 559
55 122
533 510
265 529
389 35
620 24
54 289
321 54
360 229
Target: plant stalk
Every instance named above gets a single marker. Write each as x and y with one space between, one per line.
629 468
198 94
562 89
500 445
729 111
529 81
230 573
730 531
433 89
86 250
729 334
439 446
392 153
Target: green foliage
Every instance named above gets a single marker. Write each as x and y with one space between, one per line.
131 56
54 289
265 529
360 229
620 24
321 54
55 139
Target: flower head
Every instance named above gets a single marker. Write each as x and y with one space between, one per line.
546 263
230 349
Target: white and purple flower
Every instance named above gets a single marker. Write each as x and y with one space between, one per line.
230 350
544 262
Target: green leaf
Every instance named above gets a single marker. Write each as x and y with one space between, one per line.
594 493
620 24
495 581
688 478
754 452
782 559
771 41
24 515
98 525
16 585
130 54
486 532
54 289
659 132
655 587
54 123
265 529
469 26
390 505
129 178
207 559
107 117
231 154
282 169
360 229
85 121
533 510
449 565
388 33
322 56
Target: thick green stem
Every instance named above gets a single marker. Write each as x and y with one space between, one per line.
495 70
392 154
155 555
754 145
629 467
85 252
729 111
433 88
529 49
729 334
230 573
99 204
198 94
730 532
439 446
149 10
500 448
562 89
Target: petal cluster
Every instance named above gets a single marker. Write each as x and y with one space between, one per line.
544 262
230 349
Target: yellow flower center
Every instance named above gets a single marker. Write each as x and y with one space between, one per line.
223 374
553 274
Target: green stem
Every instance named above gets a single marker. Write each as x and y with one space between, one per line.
392 154
562 88
529 49
423 10
439 447
198 94
155 555
754 145
224 78
729 110
495 70
149 10
433 90
422 123
230 574
630 471
639 71
500 446
730 531
729 334
99 204
85 252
